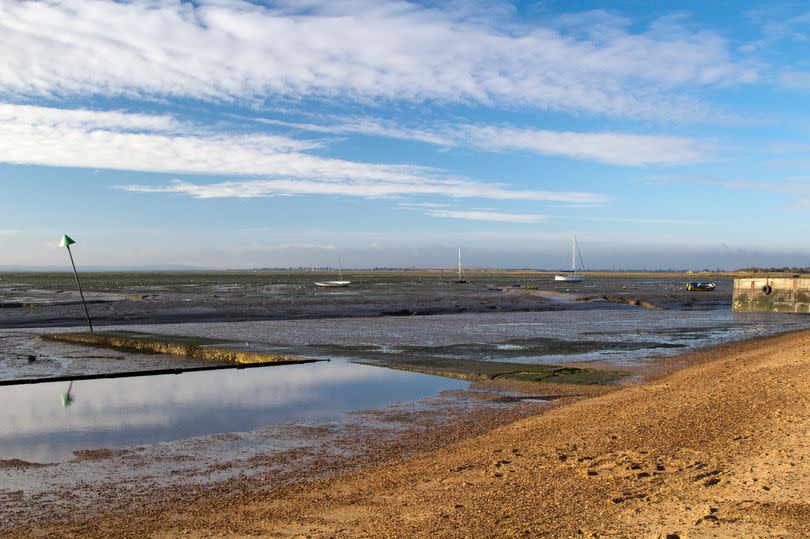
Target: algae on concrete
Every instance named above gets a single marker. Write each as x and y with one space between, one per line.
470 369
785 295
192 347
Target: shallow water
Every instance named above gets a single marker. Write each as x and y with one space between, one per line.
117 413
35 426
619 336
625 336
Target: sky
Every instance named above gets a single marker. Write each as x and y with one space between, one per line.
242 134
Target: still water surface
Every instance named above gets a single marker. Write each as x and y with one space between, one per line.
35 426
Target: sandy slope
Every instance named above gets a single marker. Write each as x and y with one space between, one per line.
721 448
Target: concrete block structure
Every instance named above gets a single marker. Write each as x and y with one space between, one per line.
764 294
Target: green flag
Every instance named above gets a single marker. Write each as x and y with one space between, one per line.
66 240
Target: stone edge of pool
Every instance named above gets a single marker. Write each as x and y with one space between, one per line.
228 352
191 347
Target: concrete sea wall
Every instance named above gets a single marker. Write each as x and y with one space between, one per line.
192 347
763 294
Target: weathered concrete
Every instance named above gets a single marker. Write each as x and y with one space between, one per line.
764 294
192 347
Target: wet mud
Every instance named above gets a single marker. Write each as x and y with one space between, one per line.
162 298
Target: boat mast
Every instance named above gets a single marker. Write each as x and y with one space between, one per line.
340 270
459 263
574 254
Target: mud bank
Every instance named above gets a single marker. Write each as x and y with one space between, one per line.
716 449
621 299
469 369
122 299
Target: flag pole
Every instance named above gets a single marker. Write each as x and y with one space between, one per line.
67 242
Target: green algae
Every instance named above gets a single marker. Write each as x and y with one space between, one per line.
474 370
191 347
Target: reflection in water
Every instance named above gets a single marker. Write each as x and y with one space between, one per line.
67 398
133 411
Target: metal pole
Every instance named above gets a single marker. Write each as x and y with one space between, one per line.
78 284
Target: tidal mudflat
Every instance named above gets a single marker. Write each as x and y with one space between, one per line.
41 300
156 437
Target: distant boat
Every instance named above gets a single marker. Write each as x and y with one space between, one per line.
461 279
701 287
335 284
572 277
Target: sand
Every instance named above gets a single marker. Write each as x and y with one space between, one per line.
720 448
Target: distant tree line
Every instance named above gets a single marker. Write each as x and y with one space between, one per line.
775 270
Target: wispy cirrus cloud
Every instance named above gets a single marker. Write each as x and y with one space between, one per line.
795 80
123 141
611 148
796 186
802 203
488 215
120 141
452 188
650 220
396 51
43 117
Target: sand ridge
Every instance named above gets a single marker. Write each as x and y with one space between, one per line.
718 449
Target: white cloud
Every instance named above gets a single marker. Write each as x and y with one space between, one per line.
422 205
355 50
309 246
650 221
794 184
487 215
121 141
370 126
795 80
612 148
85 119
801 204
89 139
453 188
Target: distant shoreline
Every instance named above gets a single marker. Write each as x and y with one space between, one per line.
481 272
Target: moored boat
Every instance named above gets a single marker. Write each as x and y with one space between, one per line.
332 284
700 287
573 276
461 279
340 283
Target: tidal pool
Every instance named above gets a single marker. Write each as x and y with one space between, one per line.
41 423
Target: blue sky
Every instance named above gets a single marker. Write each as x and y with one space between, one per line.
234 134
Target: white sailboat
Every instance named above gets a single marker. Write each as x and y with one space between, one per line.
572 277
340 283
461 279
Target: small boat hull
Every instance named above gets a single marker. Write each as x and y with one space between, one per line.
569 278
701 287
333 284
